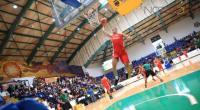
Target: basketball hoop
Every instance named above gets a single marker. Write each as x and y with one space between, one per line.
64 13
92 15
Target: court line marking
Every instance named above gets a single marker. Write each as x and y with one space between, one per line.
128 88
190 97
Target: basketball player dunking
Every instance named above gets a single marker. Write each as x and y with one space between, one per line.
119 52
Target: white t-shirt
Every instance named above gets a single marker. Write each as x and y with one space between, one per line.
4 93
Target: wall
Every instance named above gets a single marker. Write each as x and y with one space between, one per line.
95 70
178 30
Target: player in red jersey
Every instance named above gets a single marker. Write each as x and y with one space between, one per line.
185 51
107 85
119 52
158 63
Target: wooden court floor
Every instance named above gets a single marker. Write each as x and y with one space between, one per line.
130 90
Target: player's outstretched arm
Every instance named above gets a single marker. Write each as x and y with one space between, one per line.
106 33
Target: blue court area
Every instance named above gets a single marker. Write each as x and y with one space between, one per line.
180 94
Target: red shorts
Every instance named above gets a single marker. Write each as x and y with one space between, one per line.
144 73
160 67
107 88
123 56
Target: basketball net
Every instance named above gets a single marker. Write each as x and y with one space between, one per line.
93 17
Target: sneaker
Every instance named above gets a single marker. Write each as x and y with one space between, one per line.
111 97
116 81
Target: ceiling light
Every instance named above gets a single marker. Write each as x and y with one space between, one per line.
103 2
78 29
53 19
106 9
15 6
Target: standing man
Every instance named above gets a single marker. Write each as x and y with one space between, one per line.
105 82
91 93
63 100
119 52
158 63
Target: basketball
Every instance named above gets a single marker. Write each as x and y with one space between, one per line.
103 21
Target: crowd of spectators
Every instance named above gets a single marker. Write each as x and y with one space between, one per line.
188 43
75 88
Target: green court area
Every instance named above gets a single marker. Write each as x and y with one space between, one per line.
180 94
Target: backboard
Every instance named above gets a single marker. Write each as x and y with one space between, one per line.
63 13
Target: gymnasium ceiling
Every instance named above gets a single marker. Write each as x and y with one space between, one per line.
34 37
28 32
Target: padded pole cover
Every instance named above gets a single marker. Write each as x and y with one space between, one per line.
124 7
